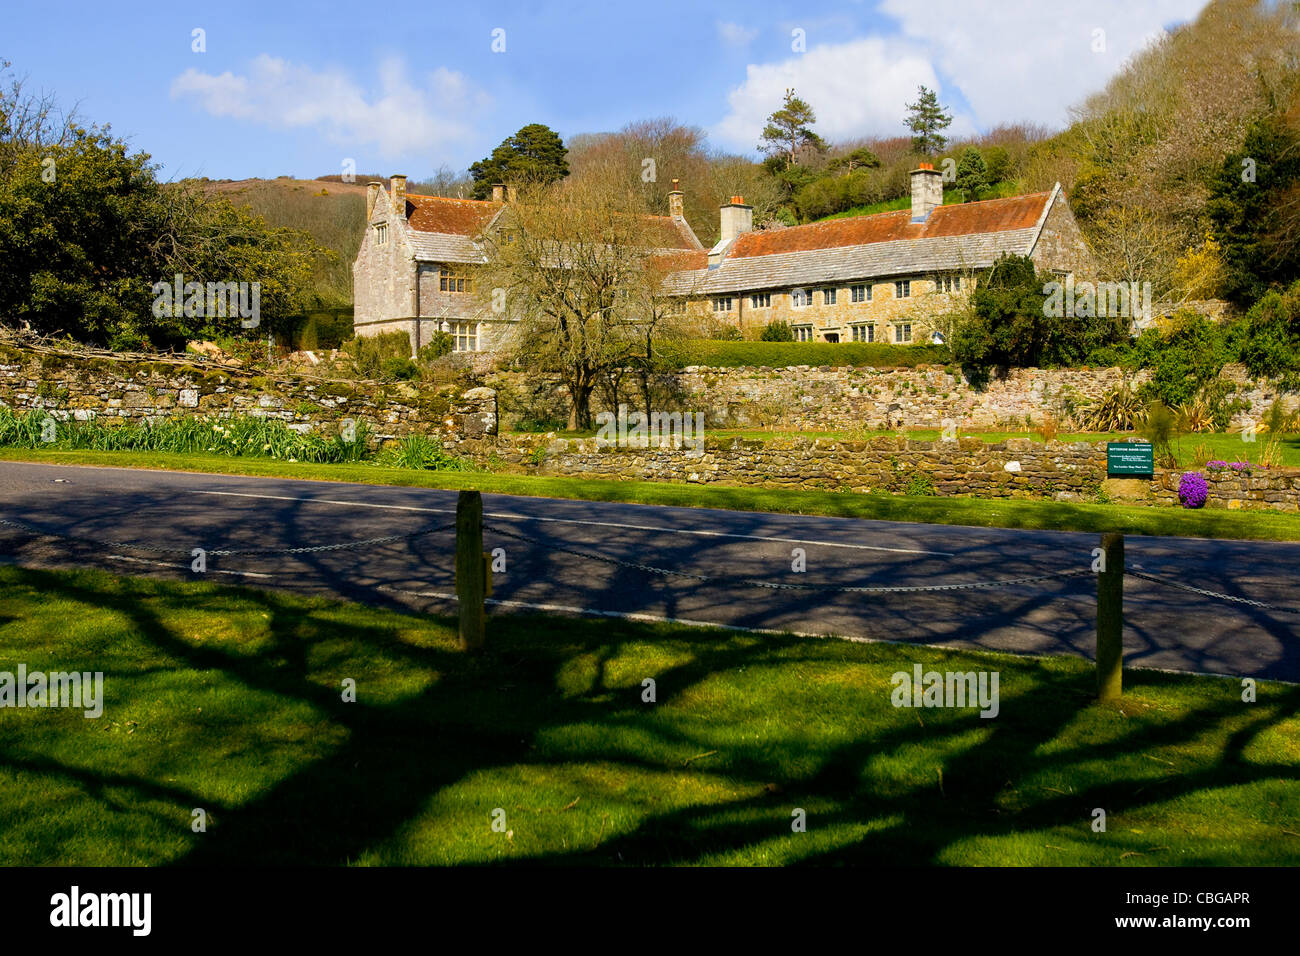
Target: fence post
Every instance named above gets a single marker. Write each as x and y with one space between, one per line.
469 568
1110 619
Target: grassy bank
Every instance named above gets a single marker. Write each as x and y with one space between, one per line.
974 512
230 700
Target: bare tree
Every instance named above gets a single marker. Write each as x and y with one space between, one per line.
581 271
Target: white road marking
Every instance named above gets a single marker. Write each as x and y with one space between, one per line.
598 524
163 564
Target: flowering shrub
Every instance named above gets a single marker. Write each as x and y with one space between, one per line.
1193 490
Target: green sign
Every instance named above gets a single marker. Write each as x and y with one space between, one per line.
1129 458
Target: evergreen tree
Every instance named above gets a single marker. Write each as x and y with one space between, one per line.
972 174
535 155
927 120
789 131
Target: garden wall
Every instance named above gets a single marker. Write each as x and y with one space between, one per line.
810 398
116 390
1015 468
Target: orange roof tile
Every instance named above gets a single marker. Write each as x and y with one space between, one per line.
991 215
459 217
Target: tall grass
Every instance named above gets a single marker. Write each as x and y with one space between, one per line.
236 437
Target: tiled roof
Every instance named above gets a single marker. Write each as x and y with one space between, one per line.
444 230
967 236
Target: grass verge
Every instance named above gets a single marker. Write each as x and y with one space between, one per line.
974 512
229 700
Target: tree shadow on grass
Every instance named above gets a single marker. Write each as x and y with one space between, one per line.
492 713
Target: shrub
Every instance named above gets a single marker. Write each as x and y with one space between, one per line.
1119 410
1193 491
783 354
1159 425
920 485
400 369
777 331
440 344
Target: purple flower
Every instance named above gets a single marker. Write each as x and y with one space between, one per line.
1193 491
1216 465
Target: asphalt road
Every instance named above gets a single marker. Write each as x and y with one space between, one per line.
1165 627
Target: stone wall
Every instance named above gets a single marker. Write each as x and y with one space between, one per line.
116 391
1015 468
810 398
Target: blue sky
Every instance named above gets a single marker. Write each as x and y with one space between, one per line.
299 88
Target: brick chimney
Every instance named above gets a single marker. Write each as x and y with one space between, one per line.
398 191
498 192
736 218
927 191
676 205
372 195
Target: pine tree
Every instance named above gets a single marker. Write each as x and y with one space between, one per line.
534 155
789 130
926 119
972 173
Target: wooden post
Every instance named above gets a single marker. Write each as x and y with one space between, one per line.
1110 619
469 568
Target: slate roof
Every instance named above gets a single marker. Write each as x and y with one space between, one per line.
967 236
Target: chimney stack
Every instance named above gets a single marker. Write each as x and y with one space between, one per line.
399 195
676 206
736 218
927 191
372 195
511 193
498 192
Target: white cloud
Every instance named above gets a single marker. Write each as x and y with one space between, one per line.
1032 59
400 117
735 34
856 88
1010 61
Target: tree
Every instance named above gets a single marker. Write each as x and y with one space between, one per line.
789 131
860 158
535 154
972 174
1009 326
1254 206
575 267
927 119
86 230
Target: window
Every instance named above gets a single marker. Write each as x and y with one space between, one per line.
864 333
802 333
761 300
903 332
902 288
828 296
861 293
449 281
947 284
466 336
800 298
722 304
381 233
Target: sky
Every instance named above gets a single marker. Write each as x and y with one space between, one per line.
231 90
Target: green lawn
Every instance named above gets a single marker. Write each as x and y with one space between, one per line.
229 700
975 512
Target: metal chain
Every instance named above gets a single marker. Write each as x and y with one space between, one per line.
227 551
745 582
1135 572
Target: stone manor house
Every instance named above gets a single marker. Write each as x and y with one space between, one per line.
871 278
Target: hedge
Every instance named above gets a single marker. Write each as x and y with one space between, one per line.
720 354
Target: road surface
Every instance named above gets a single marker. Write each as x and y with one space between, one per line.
720 555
